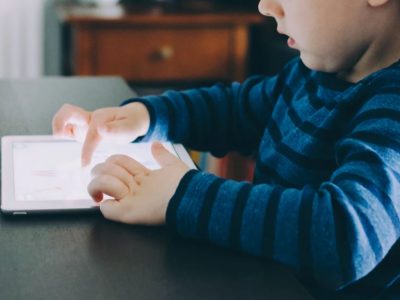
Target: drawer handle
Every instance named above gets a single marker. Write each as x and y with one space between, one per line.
166 52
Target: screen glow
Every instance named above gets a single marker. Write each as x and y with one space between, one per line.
51 171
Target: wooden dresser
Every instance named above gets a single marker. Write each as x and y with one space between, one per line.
195 41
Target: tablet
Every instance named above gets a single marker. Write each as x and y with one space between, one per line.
44 174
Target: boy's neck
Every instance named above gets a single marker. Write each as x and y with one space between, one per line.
383 51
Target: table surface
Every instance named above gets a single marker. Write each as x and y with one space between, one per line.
82 256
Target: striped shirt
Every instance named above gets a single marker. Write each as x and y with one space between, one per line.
325 198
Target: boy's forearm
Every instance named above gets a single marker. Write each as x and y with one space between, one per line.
320 232
218 119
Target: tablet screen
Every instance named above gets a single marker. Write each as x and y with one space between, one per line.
51 171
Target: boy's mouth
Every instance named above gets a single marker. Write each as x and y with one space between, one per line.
291 42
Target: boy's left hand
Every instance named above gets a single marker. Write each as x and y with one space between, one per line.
140 195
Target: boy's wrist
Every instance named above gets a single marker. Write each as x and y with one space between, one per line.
141 113
177 197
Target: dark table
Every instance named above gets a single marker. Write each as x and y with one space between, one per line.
84 256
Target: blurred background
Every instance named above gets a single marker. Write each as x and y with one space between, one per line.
36 35
153 45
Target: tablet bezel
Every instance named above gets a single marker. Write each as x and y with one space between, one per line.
10 206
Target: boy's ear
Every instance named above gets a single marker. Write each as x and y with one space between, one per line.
376 3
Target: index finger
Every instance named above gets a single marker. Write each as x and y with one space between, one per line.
131 165
90 144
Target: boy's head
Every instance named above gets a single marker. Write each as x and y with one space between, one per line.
354 37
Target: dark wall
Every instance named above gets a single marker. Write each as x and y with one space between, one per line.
268 49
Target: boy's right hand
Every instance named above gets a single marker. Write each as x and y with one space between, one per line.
114 124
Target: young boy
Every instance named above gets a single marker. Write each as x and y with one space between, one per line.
326 192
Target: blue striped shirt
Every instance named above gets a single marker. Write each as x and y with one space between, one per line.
325 198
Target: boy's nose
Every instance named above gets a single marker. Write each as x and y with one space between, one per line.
271 8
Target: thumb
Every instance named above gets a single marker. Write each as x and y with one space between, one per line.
112 210
162 155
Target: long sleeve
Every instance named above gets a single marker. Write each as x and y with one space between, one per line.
335 231
218 118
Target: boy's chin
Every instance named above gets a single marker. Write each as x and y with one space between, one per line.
317 64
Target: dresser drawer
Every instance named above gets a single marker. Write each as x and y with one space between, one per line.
174 54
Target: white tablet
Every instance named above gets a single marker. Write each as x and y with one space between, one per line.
44 174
